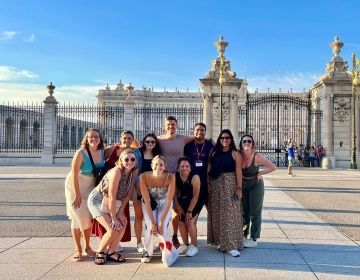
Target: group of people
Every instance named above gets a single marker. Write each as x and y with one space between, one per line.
169 178
302 156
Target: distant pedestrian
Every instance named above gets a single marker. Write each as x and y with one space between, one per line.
252 188
78 185
291 158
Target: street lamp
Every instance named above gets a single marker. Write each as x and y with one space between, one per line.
355 83
222 81
221 45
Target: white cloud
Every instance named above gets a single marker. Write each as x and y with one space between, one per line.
7 35
21 92
30 39
9 73
287 81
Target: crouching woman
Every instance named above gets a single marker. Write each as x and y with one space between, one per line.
157 189
107 202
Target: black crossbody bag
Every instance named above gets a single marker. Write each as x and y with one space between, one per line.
98 173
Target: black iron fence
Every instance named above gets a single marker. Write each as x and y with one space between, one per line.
74 120
21 128
272 119
151 119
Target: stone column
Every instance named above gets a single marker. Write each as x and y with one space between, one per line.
330 124
129 109
50 126
207 114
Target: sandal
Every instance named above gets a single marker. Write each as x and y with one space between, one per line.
77 256
115 257
100 258
90 253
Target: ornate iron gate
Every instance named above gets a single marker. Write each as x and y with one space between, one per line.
272 119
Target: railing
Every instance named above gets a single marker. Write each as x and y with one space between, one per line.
151 119
21 128
74 120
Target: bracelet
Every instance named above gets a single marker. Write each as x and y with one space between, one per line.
188 211
238 188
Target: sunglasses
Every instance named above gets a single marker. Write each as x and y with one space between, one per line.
150 142
130 159
225 138
247 141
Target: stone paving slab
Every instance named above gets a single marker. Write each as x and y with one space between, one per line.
295 244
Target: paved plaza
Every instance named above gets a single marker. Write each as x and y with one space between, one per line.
310 231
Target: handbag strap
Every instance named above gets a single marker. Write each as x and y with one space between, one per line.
91 159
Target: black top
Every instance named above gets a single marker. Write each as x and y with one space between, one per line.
252 170
184 190
146 163
221 162
199 155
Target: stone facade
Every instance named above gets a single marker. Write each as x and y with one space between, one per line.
333 94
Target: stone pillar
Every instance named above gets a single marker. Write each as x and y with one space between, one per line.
220 71
207 115
357 116
129 109
334 91
50 126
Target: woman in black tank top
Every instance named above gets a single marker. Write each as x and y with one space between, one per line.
186 203
252 188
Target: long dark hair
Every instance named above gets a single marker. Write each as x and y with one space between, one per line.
156 151
218 146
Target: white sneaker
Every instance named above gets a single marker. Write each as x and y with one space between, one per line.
119 248
183 249
234 253
145 258
140 248
291 175
218 247
192 251
249 243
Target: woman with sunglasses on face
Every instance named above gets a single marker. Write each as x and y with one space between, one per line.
149 149
252 188
224 206
157 189
112 154
78 184
107 203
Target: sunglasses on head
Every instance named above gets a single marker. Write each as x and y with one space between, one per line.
246 141
150 141
130 159
224 137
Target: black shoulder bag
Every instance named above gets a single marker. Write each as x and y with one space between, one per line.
98 173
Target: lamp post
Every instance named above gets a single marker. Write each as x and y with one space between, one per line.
221 46
222 81
355 83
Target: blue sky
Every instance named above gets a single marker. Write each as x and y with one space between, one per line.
82 45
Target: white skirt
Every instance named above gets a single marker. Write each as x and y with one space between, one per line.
82 214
